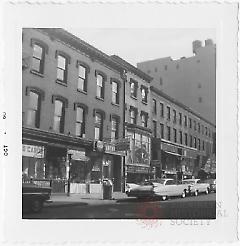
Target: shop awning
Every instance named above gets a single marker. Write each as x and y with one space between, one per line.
171 153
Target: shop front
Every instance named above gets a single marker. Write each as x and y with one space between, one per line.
138 157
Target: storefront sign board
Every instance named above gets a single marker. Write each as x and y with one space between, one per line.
33 151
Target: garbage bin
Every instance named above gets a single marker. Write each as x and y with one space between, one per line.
107 189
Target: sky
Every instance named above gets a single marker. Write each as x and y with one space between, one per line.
137 45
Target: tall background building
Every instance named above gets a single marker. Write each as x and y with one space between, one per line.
190 80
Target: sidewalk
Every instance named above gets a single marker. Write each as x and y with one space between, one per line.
62 200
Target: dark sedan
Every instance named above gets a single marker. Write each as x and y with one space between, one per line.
34 196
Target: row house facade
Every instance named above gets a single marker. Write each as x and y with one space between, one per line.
182 140
72 101
137 122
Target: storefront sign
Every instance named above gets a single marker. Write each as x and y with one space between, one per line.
78 155
111 148
137 169
33 151
171 148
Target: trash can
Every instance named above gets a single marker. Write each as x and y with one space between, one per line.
107 189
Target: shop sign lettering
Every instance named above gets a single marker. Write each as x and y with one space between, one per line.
169 148
78 155
33 151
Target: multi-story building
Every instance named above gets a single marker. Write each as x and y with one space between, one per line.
190 80
137 122
182 139
72 103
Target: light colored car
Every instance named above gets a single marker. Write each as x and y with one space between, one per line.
142 190
197 186
170 188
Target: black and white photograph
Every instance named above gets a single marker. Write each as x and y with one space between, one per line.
123 115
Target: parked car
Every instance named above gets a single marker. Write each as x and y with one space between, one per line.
142 190
197 186
34 196
212 183
170 188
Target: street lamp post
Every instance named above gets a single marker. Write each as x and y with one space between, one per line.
69 174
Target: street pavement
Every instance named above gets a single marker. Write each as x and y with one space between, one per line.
121 207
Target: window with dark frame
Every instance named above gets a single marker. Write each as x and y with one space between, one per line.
190 123
114 128
38 58
203 145
162 130
168 113
59 113
62 68
33 111
185 120
144 94
191 141
100 86
199 144
82 78
175 135
180 119
161 109
199 128
186 139
154 106
195 142
133 88
144 119
80 122
98 128
168 133
174 116
180 137
115 92
133 116
195 125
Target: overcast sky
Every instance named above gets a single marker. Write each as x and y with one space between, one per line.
136 45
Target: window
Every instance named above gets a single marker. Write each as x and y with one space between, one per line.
162 130
203 145
161 110
180 137
206 131
82 78
100 86
195 125
200 99
33 112
168 113
161 81
154 106
38 58
133 116
98 130
144 92
62 68
175 135
191 141
154 128
180 119
114 128
133 87
80 122
202 130
168 133
174 116
185 120
190 123
115 93
199 128
186 139
199 144
59 111
144 118
195 142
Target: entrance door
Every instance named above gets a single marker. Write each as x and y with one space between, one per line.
117 173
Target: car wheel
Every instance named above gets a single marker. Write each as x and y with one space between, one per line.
164 198
36 205
207 191
183 194
196 193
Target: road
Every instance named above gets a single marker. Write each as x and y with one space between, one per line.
200 207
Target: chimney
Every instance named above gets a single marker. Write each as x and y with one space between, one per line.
196 45
208 42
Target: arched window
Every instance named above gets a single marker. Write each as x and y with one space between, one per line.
83 70
99 115
81 110
101 78
62 66
115 120
33 112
